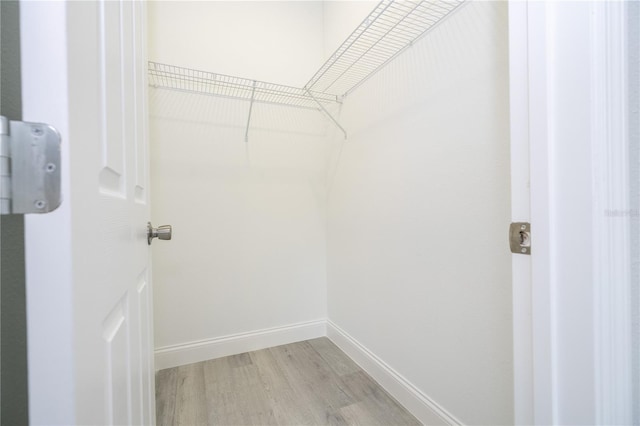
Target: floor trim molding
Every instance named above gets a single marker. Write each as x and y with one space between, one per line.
413 399
202 350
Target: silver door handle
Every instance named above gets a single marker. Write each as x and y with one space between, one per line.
161 232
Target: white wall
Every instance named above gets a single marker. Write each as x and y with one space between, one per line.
418 212
340 19
248 250
275 41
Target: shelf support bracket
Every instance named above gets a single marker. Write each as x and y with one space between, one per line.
246 132
326 112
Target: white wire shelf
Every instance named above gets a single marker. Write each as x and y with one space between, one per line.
392 27
209 83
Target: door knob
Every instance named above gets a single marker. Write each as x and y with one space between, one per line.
161 232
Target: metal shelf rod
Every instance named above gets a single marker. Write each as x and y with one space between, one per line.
246 132
328 114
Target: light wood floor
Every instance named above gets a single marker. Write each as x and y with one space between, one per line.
305 383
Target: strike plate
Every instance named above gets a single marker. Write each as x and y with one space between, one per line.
29 167
520 237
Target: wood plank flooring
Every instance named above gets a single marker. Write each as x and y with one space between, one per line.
306 383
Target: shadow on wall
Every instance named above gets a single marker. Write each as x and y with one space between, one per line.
412 87
436 67
429 68
283 142
280 121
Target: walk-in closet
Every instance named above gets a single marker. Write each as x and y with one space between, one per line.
337 177
322 212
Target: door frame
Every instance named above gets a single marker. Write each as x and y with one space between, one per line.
50 355
568 120
520 212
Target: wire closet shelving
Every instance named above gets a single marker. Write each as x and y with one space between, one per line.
227 86
392 27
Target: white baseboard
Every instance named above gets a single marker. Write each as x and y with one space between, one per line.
426 410
413 399
202 350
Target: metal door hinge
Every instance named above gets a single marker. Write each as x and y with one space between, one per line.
520 237
29 167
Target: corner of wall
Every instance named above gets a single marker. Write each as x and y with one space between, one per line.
424 408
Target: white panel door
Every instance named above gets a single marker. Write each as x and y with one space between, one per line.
88 275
